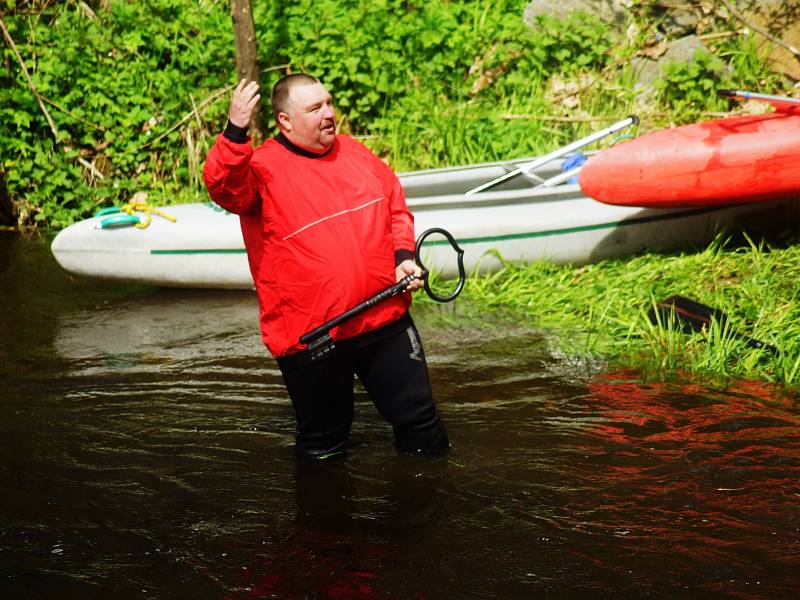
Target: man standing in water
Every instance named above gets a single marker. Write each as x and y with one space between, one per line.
326 225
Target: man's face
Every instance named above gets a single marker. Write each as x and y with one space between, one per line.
310 121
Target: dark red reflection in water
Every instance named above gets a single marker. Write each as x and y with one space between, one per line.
689 413
710 477
349 537
310 563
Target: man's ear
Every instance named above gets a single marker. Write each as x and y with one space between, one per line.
284 122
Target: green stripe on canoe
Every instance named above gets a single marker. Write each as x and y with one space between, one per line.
500 238
567 230
202 251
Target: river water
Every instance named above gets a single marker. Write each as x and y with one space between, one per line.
147 453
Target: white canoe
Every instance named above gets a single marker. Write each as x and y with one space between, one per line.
515 220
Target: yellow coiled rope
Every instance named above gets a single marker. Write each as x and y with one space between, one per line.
133 207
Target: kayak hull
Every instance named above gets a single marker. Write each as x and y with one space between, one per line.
203 248
722 162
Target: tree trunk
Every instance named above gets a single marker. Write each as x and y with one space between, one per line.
247 56
7 217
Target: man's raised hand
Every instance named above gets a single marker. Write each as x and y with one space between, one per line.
243 102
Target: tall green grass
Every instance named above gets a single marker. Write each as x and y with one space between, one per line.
428 131
600 310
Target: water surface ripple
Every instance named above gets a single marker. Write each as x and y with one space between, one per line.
147 453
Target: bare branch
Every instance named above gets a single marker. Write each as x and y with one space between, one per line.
91 168
13 47
196 110
740 17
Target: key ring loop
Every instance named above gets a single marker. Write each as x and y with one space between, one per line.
462 276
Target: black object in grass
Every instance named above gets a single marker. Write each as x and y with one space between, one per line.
692 316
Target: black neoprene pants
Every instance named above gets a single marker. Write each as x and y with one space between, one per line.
390 363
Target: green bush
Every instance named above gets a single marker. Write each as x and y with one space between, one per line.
113 81
689 87
426 84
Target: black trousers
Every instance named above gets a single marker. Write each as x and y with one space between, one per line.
390 363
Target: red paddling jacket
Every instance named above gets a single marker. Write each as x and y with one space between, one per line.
323 232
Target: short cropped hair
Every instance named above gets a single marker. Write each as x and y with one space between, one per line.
280 91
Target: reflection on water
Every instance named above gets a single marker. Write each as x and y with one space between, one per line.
147 453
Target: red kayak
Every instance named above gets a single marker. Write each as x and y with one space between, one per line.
727 161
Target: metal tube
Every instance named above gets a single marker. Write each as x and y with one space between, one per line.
561 177
543 160
776 101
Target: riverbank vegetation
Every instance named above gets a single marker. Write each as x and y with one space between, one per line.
600 311
100 100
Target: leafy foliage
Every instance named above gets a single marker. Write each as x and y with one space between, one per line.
137 90
691 86
112 81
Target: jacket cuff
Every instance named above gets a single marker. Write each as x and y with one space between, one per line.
401 255
236 134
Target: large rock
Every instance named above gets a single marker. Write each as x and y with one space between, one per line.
611 10
780 19
647 70
680 21
685 50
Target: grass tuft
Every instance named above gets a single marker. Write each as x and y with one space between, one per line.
601 310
